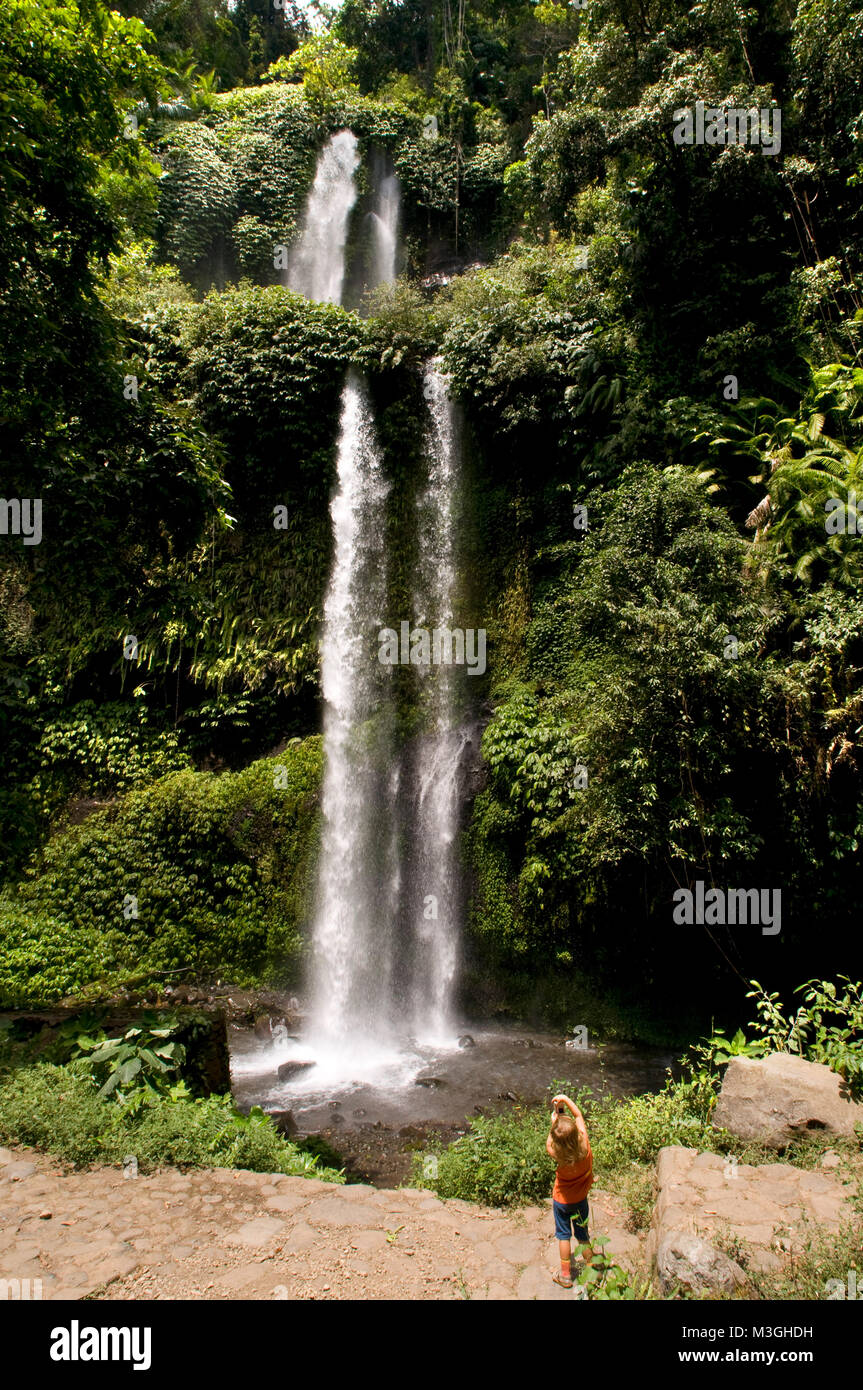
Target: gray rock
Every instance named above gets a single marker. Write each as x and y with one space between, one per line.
695 1266
289 1069
776 1099
466 1041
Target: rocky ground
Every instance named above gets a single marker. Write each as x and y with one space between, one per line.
708 1205
223 1234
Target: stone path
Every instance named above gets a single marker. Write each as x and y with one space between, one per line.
770 1208
224 1234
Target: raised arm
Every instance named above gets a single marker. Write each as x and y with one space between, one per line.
577 1116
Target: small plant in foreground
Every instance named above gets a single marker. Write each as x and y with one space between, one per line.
604 1280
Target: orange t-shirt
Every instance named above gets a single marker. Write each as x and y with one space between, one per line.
573 1181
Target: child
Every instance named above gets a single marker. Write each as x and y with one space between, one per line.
569 1146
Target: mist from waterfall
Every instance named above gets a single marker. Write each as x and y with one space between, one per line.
385 225
317 261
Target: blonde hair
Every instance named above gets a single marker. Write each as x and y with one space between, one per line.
566 1140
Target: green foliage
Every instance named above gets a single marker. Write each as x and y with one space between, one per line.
44 957
107 748
627 644
605 1281
325 65
501 1161
58 1110
564 156
234 182
827 1027
220 868
146 1059
66 70
197 193
267 368
805 461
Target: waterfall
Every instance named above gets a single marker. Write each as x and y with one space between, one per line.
385 225
385 929
317 265
386 926
353 933
436 903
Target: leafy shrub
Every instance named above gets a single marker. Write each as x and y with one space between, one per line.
58 1110
107 748
44 957
502 1160
827 1028
603 1281
146 1058
219 868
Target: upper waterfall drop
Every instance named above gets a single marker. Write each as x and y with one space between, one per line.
317 262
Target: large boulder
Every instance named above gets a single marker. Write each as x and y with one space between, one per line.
776 1099
687 1262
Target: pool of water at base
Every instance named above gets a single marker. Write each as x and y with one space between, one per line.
429 1085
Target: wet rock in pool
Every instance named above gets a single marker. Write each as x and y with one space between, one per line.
287 1070
466 1041
284 1122
432 1083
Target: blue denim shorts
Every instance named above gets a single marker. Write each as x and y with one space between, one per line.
571 1221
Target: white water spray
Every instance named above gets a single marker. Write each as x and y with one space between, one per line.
385 228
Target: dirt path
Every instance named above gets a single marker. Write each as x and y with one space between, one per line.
223 1234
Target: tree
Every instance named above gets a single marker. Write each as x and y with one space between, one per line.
68 69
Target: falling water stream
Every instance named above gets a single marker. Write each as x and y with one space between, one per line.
352 936
437 906
317 263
